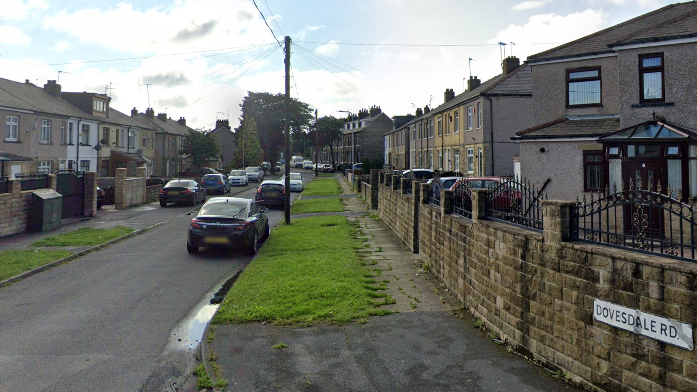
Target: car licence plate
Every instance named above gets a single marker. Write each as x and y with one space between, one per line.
173 192
216 240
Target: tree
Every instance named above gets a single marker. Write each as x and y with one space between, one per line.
268 110
330 132
200 147
248 147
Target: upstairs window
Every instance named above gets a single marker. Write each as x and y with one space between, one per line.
440 127
651 77
470 113
85 135
583 87
479 115
12 128
106 132
457 122
64 137
45 131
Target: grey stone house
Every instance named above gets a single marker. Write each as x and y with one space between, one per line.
616 106
226 140
363 136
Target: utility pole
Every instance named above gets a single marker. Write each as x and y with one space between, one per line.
287 129
316 147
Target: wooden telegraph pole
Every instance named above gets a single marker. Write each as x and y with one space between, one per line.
316 147
287 129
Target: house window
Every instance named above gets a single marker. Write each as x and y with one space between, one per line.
480 162
430 129
583 87
479 115
85 165
63 135
440 158
85 135
413 133
592 171
45 131
440 127
100 106
457 122
456 154
105 135
145 140
12 129
131 139
421 135
70 133
651 77
45 167
469 118
693 170
470 160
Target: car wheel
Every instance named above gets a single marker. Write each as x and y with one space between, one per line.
163 204
254 246
193 201
191 248
267 231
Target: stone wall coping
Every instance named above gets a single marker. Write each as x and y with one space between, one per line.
559 202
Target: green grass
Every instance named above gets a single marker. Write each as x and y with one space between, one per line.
84 237
317 205
15 262
323 187
294 280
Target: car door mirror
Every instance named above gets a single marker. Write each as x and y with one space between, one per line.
264 210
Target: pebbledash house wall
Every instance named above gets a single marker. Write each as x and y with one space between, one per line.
537 291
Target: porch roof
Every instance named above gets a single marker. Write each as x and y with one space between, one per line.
128 156
651 130
570 127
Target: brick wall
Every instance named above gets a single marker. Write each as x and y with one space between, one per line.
14 209
537 292
129 191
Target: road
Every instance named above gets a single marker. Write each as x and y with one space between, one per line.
108 321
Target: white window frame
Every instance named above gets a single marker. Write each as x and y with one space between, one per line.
469 118
44 167
479 115
456 115
85 135
84 165
470 160
70 133
45 136
63 135
12 129
131 139
145 140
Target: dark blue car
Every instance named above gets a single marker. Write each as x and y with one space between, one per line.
215 183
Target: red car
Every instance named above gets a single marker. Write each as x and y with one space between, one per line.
504 192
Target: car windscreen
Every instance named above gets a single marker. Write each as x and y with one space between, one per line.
252 169
296 176
272 189
448 183
178 184
237 173
225 208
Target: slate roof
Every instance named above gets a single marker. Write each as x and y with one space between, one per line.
169 126
566 127
27 96
355 130
120 118
670 22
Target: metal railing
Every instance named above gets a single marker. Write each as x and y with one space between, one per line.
515 201
644 220
434 191
461 199
410 183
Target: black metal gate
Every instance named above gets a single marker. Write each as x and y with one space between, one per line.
71 185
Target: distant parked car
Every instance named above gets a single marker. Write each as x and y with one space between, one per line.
238 178
265 166
307 165
228 222
101 194
215 183
419 174
295 181
327 168
197 172
182 191
271 193
254 173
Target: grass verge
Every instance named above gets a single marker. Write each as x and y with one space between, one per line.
322 187
317 205
84 237
294 280
15 262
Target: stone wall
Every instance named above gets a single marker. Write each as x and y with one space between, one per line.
14 209
129 191
152 193
399 211
537 291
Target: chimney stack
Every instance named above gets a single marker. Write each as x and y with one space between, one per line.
419 112
510 64
426 109
449 94
222 124
53 88
150 113
182 121
134 112
473 83
161 116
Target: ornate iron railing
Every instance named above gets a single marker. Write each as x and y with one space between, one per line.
514 200
644 220
434 191
410 183
461 199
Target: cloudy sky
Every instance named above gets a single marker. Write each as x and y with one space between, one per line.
198 58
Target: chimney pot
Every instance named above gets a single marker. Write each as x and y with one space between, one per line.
510 64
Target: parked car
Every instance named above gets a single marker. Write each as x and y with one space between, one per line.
419 174
327 168
307 165
446 182
296 161
238 178
271 193
228 222
295 181
215 183
182 191
505 196
101 194
254 173
265 166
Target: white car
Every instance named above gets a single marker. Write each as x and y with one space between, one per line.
296 182
254 173
308 165
238 177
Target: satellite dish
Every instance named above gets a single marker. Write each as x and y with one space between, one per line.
98 147
139 151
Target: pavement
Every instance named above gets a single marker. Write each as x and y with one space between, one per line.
428 344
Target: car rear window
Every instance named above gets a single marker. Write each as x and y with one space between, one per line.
178 184
295 176
224 208
271 189
211 177
252 169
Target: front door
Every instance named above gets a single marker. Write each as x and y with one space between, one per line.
641 219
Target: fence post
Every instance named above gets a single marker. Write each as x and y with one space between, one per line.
478 204
142 174
445 202
395 182
374 182
53 181
89 200
556 220
403 185
120 189
424 192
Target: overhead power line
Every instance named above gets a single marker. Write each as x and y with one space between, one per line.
418 45
266 23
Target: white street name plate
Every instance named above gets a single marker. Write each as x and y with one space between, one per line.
645 324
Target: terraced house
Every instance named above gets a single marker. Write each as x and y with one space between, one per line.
617 107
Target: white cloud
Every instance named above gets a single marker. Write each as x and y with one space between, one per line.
61 46
530 5
13 36
639 3
19 9
303 33
184 26
328 49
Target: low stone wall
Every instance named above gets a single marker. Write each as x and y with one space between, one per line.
399 211
129 191
538 292
14 209
152 193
